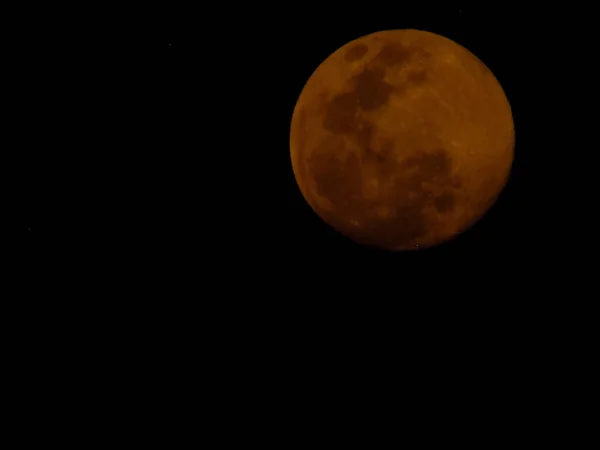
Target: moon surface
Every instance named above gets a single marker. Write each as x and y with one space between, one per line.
401 139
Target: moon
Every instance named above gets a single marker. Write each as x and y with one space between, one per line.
401 140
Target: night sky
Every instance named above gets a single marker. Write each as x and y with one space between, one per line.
171 268
180 152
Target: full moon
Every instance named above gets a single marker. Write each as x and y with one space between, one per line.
401 139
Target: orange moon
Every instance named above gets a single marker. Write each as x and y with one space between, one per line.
401 139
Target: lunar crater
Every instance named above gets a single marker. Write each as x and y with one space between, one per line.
420 182
371 91
416 77
368 90
393 54
356 52
340 114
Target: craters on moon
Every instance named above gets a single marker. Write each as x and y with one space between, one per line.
340 114
356 52
368 90
393 54
416 77
337 180
429 175
371 91
378 126
415 187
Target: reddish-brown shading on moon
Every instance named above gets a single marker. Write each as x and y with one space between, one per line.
400 140
356 52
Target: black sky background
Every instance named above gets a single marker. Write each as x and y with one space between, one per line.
168 255
188 156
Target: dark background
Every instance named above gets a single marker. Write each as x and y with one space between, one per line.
174 159
165 243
